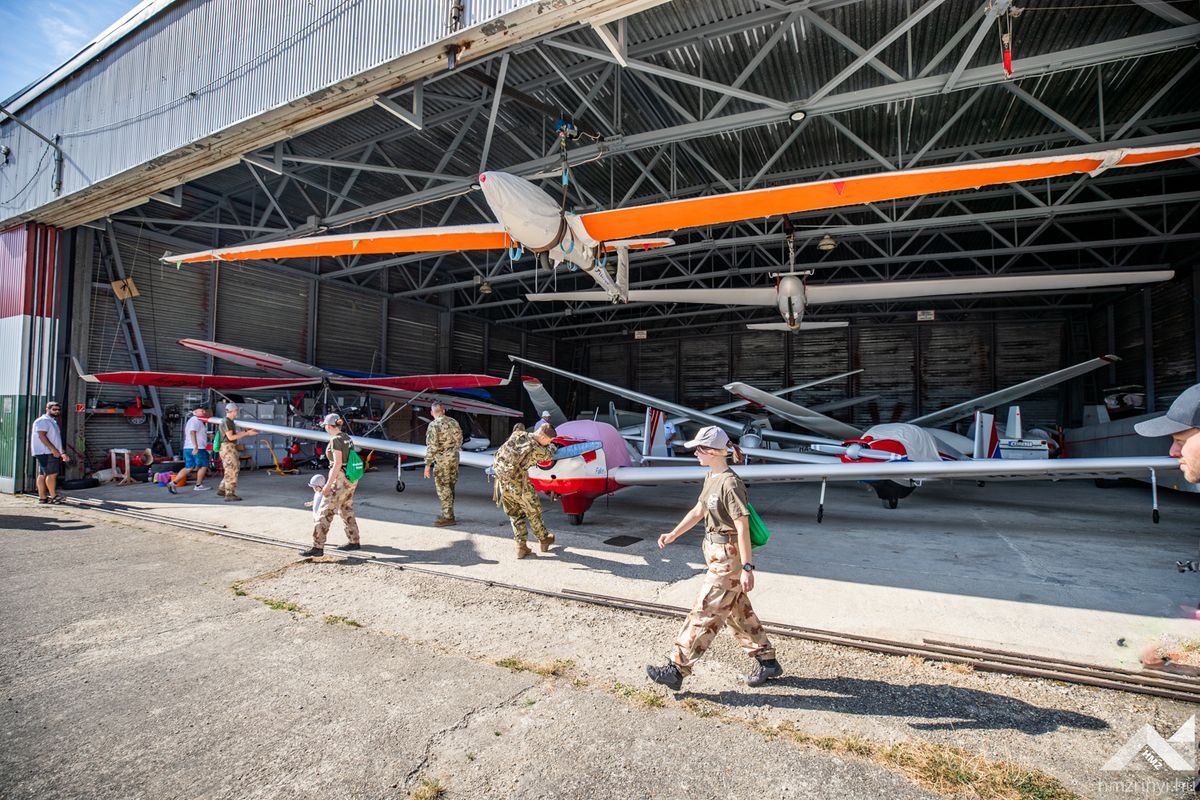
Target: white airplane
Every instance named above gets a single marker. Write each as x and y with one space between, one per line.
529 218
895 458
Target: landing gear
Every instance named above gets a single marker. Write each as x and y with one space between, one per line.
980 484
575 519
892 503
399 486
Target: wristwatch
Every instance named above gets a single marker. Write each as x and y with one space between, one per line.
748 567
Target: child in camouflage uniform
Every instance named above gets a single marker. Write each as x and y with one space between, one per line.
443 440
514 493
724 600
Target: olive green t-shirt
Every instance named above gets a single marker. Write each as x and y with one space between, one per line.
724 500
227 427
341 443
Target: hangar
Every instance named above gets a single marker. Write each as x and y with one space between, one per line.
340 120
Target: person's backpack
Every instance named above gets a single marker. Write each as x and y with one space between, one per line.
758 530
354 466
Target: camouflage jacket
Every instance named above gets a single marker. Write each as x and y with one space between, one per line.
443 440
514 458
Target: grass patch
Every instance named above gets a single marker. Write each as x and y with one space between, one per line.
556 668
643 697
238 589
914 661
428 789
334 619
701 708
962 669
280 605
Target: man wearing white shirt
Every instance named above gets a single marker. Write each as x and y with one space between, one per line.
46 446
195 451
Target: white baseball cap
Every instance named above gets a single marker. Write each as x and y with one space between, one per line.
712 436
316 480
545 415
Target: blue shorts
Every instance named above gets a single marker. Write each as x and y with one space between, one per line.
195 459
48 464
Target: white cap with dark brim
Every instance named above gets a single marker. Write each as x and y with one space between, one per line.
712 436
1184 414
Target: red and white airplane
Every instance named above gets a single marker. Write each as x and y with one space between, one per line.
418 390
529 218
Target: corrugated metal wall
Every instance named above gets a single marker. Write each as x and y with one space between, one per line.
349 329
820 354
888 358
1174 333
261 310
412 346
704 367
149 95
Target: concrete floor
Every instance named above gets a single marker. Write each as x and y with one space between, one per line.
1067 570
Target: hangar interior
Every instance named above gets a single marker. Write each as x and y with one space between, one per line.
668 100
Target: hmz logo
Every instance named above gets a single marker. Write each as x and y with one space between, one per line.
1159 753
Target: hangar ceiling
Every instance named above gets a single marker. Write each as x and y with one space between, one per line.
697 97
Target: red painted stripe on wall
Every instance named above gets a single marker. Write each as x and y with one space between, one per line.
29 271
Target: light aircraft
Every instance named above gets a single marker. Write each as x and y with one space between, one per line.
881 454
529 218
418 390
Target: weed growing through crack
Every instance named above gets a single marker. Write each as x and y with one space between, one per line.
701 708
643 697
280 605
470 756
556 668
237 589
334 619
428 789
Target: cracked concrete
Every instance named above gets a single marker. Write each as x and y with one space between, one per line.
131 670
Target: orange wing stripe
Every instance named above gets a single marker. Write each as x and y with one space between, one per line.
376 245
643 220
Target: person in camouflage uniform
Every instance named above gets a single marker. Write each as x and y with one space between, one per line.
724 600
513 491
443 440
230 457
338 491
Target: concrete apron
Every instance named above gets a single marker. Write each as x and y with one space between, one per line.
1065 570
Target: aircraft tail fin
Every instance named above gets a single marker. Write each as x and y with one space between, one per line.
654 432
542 401
1013 429
987 441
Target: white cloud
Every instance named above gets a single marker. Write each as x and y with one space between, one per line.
64 35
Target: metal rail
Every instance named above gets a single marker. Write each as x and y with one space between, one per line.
1165 685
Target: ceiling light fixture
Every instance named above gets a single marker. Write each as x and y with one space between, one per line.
797 116
485 288
826 244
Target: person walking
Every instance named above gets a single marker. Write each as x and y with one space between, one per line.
195 451
443 440
230 458
725 510
338 493
45 444
514 493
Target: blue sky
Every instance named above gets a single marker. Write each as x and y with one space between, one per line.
36 36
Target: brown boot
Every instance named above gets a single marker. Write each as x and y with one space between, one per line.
523 550
220 491
441 522
544 544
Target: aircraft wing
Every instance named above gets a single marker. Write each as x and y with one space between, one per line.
804 326
914 471
898 290
755 296
257 359
542 401
642 220
448 238
182 380
966 409
734 429
465 457
795 413
425 383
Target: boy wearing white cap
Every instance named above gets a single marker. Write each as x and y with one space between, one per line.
724 508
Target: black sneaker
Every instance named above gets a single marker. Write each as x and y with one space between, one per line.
313 552
1186 566
350 546
767 669
668 675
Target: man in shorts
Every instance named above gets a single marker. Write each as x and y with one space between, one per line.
46 446
195 451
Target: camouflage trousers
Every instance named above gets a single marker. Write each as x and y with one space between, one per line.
722 602
520 502
340 501
445 475
230 466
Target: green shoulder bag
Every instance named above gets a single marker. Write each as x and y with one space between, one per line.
354 466
758 530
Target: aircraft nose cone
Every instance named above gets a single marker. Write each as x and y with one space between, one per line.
483 177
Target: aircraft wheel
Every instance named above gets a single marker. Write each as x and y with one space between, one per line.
1154 516
893 503
575 519
980 484
399 486
820 515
